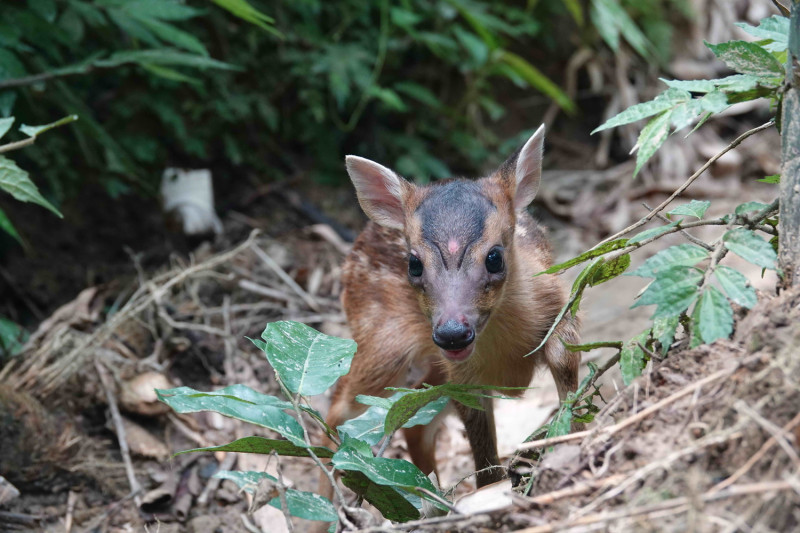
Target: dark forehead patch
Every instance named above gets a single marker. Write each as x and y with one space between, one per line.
454 210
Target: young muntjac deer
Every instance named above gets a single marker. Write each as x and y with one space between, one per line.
443 278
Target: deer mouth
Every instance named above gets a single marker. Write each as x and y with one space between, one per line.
458 355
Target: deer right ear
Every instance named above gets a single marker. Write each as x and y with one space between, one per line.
380 191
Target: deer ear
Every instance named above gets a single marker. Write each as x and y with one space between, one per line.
528 170
380 191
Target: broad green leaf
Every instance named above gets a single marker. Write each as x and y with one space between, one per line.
661 103
300 503
8 227
651 138
5 125
774 28
679 255
562 422
16 182
750 207
397 473
591 254
632 358
33 131
732 83
747 58
262 410
536 79
664 330
610 269
652 232
589 346
307 361
736 286
673 291
714 316
695 208
12 337
265 446
389 501
246 12
369 426
750 247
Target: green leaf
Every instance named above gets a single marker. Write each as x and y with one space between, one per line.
610 269
750 247
679 255
562 422
299 503
16 182
774 28
661 103
714 316
5 125
610 19
664 330
307 361
749 207
748 58
12 338
419 93
163 56
589 346
369 426
389 501
652 232
731 84
695 208
591 254
8 227
632 358
265 446
171 34
736 286
651 138
240 402
388 97
35 131
775 178
246 12
536 79
397 473
161 9
673 291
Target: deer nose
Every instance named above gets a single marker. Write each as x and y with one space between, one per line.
453 335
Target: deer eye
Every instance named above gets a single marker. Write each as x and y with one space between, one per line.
414 266
494 261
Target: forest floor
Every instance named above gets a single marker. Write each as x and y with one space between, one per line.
148 318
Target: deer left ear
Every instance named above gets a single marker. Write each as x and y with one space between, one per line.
528 170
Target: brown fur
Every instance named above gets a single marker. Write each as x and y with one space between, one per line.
390 321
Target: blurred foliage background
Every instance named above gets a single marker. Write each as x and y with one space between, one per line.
262 90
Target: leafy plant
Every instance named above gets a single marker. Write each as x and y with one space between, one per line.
306 363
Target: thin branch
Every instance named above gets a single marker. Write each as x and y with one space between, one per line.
689 236
647 218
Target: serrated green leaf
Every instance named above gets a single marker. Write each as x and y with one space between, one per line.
651 138
747 58
389 501
579 285
591 254
16 182
652 232
5 125
8 227
749 207
260 409
673 291
661 103
695 208
632 358
664 330
732 83
678 255
714 316
775 29
369 426
265 446
307 361
610 269
300 503
750 247
736 286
